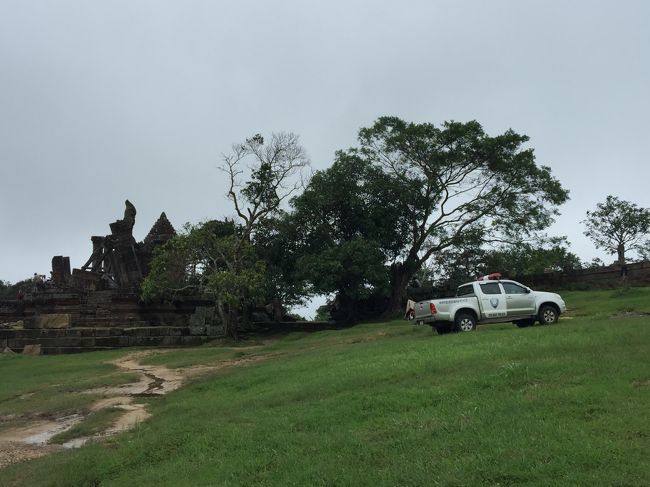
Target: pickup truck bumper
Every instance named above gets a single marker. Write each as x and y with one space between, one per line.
429 320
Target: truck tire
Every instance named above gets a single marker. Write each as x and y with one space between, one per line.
443 329
525 323
548 315
465 322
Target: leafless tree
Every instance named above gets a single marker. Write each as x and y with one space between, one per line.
262 175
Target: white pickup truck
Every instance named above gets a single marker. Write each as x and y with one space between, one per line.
490 300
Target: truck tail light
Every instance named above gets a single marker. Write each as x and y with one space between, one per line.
433 309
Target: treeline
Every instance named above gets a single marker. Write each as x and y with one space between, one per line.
10 291
412 201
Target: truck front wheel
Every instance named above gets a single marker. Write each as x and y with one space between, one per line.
548 315
465 322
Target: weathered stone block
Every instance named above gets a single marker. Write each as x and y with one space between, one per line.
169 340
193 340
202 315
14 325
112 341
215 331
55 320
32 349
197 330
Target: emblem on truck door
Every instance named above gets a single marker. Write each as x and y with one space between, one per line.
494 302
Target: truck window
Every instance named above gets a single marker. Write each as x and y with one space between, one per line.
491 288
512 288
466 290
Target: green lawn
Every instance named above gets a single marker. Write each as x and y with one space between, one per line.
391 404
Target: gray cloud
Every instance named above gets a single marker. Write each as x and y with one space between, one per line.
103 101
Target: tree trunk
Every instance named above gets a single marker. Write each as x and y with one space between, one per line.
277 310
621 255
229 319
400 276
621 262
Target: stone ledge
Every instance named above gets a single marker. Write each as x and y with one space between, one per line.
53 321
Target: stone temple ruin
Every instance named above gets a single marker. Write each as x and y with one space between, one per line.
117 260
98 306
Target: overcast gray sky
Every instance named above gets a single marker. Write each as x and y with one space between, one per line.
103 101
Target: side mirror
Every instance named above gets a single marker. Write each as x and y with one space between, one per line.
527 290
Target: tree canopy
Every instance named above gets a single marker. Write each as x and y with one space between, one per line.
434 186
617 226
201 261
409 195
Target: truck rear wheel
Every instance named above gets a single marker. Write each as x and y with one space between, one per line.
548 315
465 322
443 329
525 323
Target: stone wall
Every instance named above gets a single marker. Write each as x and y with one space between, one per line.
71 340
64 322
608 277
638 274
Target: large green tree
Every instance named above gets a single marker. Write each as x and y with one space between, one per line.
348 225
617 227
219 258
448 182
276 242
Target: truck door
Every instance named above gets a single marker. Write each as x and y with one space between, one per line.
493 303
519 301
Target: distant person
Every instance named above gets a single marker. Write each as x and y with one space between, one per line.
37 280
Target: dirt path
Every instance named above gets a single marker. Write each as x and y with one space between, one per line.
31 441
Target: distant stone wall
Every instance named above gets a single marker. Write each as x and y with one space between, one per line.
65 322
100 309
72 340
608 277
638 274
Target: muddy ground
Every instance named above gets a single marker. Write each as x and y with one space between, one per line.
32 440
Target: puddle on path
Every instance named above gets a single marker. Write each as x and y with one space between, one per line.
155 380
32 441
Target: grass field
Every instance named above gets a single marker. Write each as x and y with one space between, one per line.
378 404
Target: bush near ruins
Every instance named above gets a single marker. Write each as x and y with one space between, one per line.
218 258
